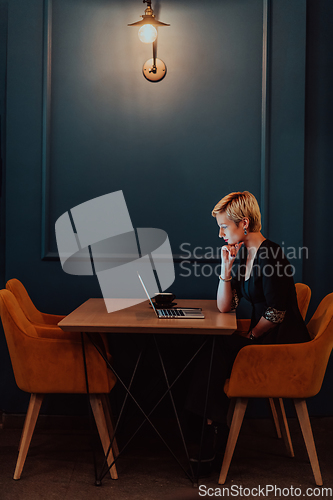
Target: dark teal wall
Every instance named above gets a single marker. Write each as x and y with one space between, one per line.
3 57
174 148
318 233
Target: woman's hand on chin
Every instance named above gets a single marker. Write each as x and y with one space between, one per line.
229 252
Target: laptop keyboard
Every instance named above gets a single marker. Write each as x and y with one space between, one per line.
169 313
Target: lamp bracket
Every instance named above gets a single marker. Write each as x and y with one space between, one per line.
154 70
148 17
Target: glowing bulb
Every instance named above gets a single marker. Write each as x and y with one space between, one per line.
147 33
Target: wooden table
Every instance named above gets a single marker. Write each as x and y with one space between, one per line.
92 317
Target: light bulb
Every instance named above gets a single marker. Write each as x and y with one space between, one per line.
147 33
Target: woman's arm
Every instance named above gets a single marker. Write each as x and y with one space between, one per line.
274 269
225 295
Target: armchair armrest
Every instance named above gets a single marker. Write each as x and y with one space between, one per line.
56 365
243 325
52 319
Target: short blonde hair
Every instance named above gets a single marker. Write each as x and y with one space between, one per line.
239 205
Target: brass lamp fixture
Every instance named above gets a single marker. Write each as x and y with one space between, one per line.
154 69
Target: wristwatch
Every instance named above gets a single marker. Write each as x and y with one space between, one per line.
252 337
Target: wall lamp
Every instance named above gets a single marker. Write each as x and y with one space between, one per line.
154 69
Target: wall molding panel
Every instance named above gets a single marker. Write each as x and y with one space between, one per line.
48 254
265 114
46 131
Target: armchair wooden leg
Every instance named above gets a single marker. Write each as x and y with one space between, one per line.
109 422
303 417
240 407
281 414
28 430
98 411
275 417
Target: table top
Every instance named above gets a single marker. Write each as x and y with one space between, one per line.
92 316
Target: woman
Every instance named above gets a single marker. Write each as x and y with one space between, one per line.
263 276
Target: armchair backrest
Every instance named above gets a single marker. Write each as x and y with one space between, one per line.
13 318
18 330
322 317
17 288
303 293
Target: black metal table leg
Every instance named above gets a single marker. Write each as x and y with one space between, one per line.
146 415
105 468
174 407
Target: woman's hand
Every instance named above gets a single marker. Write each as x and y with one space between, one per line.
228 255
261 327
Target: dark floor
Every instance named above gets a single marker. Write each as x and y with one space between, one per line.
59 466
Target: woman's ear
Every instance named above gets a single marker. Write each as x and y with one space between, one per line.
246 222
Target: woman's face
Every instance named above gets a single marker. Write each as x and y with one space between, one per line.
228 229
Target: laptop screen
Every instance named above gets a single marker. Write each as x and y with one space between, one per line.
145 289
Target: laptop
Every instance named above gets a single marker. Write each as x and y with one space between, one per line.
177 312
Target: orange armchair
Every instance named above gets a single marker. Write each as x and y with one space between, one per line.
44 362
303 293
282 371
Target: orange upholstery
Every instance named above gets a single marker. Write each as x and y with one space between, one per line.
46 324
284 371
45 362
243 326
303 293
